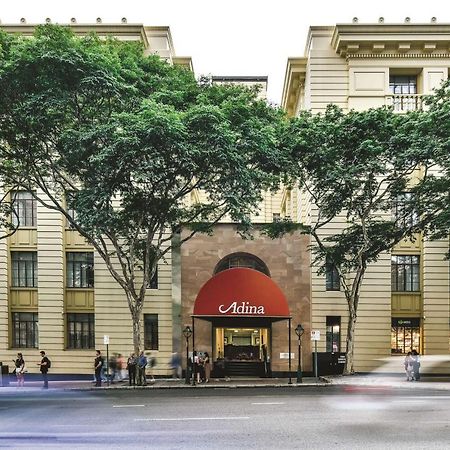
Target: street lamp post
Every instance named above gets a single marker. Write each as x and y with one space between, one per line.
299 330
187 332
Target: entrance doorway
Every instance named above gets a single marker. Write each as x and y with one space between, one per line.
242 351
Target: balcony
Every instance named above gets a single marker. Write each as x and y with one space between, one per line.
404 102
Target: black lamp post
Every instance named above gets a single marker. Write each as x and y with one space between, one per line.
187 332
299 330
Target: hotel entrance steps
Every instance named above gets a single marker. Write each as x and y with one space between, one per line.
244 368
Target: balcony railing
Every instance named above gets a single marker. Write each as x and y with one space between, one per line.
404 102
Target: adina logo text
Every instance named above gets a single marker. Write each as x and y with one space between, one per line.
241 308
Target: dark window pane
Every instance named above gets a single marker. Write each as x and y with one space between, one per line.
25 330
80 330
332 282
405 273
333 334
25 209
151 338
80 269
24 269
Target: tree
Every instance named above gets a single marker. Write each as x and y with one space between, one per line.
353 166
125 141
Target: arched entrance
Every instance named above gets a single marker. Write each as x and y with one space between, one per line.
241 304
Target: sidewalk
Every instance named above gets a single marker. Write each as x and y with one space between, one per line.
169 383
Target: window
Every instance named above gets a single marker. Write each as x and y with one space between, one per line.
24 207
242 260
24 269
151 331
332 282
70 210
80 270
25 330
405 273
153 284
403 84
333 334
405 335
80 330
403 210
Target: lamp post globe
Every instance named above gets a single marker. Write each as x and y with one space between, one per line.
187 333
299 330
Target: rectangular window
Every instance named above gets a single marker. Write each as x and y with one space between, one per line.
154 280
403 84
24 209
80 330
405 335
70 210
333 334
25 330
403 210
332 277
405 273
80 270
24 269
151 332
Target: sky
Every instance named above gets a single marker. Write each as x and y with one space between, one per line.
231 37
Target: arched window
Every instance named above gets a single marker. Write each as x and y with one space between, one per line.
241 260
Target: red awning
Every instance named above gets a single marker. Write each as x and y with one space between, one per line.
241 292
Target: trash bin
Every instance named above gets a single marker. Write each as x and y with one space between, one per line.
4 375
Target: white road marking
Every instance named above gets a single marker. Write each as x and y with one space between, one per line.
128 406
269 403
177 419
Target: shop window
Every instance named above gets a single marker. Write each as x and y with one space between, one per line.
80 330
24 269
404 211
405 273
25 330
80 270
333 334
151 335
405 335
24 209
332 282
242 260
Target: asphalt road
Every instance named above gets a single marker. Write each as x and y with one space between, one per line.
266 418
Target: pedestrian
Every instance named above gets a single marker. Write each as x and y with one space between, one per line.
175 365
409 367
416 365
131 366
98 365
121 367
207 367
20 369
44 365
196 363
141 366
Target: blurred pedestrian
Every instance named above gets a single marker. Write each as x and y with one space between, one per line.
175 365
409 367
121 367
131 366
98 365
207 367
416 365
20 369
141 366
44 366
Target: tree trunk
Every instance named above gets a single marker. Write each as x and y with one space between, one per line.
136 316
348 368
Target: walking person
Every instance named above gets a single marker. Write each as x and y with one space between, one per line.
207 367
45 364
20 369
142 364
131 366
409 367
416 365
175 365
98 365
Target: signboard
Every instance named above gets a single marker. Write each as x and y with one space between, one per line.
408 322
315 335
106 339
286 355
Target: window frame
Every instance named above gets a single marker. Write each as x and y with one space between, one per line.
331 322
83 335
24 205
332 279
75 270
31 329
398 205
29 265
151 332
405 274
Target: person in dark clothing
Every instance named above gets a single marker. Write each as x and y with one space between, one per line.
98 364
131 366
44 366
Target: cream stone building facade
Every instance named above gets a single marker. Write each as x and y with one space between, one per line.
360 66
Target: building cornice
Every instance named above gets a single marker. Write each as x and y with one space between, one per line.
293 80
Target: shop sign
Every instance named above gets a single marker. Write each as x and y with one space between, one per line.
241 308
412 322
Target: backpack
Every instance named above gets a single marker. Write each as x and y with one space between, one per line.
49 364
152 362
